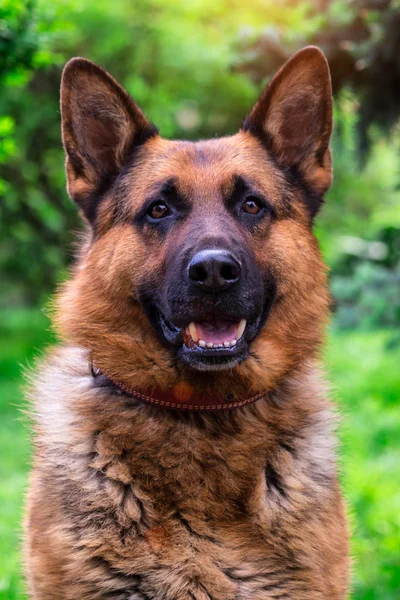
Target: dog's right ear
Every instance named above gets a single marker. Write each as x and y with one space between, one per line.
101 125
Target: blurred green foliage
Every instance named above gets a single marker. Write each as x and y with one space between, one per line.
196 68
359 228
361 39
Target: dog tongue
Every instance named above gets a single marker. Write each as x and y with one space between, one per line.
218 332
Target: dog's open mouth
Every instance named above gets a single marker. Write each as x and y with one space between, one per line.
214 334
211 344
214 344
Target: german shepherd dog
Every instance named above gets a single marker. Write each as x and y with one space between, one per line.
184 443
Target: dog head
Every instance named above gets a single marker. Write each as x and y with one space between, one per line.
199 256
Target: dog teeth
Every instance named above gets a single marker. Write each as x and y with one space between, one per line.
241 328
210 345
193 332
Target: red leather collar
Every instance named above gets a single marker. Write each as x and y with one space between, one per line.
181 397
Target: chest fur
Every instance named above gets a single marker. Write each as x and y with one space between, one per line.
152 504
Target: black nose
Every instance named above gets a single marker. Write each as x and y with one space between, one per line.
214 270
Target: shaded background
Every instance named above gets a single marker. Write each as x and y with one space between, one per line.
196 68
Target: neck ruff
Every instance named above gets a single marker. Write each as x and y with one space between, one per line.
180 397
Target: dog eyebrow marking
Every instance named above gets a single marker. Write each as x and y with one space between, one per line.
163 191
168 186
242 187
164 188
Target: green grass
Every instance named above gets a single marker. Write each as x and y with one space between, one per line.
364 371
22 334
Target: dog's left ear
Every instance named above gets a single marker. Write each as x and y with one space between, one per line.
293 118
101 125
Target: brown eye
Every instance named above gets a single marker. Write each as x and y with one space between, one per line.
252 206
158 211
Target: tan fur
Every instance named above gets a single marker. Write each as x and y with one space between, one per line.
134 502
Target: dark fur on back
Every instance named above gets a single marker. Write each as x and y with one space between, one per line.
134 502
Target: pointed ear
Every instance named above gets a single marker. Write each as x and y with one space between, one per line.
101 125
293 118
